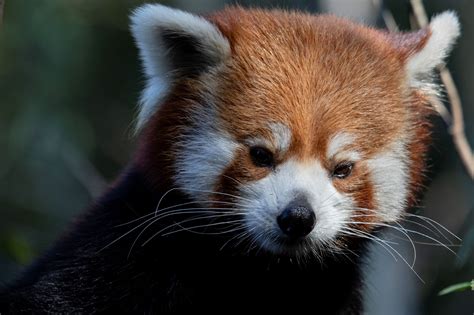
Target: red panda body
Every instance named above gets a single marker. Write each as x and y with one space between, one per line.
273 146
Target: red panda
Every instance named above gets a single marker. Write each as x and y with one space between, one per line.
272 146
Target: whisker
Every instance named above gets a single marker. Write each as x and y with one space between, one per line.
184 229
162 197
180 211
157 209
368 234
199 226
249 236
383 243
424 243
411 242
231 178
425 227
433 223
177 206
134 220
216 193
174 212
237 236
409 231
328 198
125 234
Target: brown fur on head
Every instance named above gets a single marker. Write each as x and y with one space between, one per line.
318 94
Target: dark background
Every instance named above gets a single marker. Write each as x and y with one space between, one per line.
69 82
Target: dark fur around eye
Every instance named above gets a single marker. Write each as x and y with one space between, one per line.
262 157
342 170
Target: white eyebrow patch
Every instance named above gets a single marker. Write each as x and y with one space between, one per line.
281 138
337 147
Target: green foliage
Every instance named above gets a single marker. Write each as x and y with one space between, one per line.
458 287
17 247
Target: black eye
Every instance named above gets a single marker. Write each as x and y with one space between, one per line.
261 157
342 170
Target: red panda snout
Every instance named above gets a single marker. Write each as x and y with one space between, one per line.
267 199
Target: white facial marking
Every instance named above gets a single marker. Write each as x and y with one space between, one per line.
281 135
281 138
337 148
445 29
270 195
146 24
389 174
203 155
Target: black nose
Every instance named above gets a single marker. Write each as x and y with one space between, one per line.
298 219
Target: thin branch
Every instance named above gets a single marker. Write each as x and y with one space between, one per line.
389 20
419 12
457 126
441 109
387 16
457 123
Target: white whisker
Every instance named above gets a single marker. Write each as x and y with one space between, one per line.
432 223
199 226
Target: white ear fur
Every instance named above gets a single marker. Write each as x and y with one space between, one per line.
148 23
445 29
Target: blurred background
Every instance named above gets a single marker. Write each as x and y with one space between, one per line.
69 82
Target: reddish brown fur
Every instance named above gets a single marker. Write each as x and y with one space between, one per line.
319 75
421 132
281 72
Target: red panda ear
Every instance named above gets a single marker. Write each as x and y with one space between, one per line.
173 44
425 49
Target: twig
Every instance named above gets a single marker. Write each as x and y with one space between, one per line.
457 126
387 16
441 109
419 12
457 123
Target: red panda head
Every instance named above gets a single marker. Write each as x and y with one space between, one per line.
313 127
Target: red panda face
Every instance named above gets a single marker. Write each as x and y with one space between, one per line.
314 128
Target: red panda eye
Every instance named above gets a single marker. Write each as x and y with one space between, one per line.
261 157
342 170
